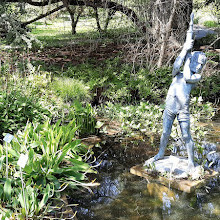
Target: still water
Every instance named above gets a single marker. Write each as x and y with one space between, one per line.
122 195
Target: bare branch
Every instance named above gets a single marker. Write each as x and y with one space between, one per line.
43 15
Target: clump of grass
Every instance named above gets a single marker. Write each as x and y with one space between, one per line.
71 89
210 24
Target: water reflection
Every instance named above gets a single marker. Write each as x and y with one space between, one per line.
123 196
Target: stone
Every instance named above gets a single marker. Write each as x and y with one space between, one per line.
173 172
174 167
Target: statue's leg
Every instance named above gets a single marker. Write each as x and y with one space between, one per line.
185 129
168 118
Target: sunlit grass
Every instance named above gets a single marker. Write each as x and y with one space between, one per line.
71 89
58 31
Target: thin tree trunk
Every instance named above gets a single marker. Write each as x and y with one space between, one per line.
97 19
166 34
72 13
110 15
75 22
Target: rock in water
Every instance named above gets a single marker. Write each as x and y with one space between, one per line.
175 167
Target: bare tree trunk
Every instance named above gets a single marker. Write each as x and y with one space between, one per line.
76 21
97 19
72 13
110 15
166 31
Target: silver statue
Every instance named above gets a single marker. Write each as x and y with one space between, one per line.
178 97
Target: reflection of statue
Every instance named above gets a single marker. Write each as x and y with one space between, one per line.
178 97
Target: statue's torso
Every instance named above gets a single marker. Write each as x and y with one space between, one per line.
178 95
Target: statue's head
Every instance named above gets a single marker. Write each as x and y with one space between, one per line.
197 62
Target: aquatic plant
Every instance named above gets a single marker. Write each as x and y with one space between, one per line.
146 118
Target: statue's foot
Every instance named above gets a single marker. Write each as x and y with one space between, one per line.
149 162
197 172
191 167
158 156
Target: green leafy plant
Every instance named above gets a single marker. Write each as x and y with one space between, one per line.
116 81
85 117
16 109
210 24
51 145
209 87
56 160
146 118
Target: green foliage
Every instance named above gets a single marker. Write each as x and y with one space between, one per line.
196 20
153 85
209 87
55 160
118 82
71 89
202 110
51 145
33 99
146 118
17 108
210 24
85 118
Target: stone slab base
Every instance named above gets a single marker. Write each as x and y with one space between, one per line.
185 185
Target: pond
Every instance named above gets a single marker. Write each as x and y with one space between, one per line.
122 195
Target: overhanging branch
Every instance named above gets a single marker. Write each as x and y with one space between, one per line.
34 3
105 4
43 15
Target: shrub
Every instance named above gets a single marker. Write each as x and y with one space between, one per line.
16 109
71 89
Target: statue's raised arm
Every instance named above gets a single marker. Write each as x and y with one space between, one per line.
186 48
189 35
